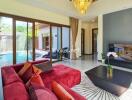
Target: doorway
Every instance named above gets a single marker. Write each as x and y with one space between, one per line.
94 40
82 41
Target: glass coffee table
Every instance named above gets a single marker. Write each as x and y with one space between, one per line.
116 83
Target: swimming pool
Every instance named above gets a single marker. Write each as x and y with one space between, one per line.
7 58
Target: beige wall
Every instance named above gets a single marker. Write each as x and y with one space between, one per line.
88 26
16 8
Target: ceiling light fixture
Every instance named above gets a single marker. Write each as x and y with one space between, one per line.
82 5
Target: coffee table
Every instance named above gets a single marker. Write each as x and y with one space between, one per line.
117 84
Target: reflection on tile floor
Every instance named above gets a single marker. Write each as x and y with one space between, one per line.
83 63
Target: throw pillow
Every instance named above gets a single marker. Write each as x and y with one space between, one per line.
24 68
74 94
36 70
35 81
45 66
60 92
28 74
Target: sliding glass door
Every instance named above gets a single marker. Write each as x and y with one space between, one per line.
6 41
30 41
56 43
65 43
42 41
23 41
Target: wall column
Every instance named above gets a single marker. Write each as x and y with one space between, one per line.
100 37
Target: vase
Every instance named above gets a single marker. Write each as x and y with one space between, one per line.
109 71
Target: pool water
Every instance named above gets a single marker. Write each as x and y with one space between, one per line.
7 59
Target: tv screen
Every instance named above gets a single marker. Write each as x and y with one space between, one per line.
124 51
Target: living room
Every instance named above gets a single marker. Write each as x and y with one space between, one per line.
54 50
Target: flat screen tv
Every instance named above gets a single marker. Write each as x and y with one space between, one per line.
124 51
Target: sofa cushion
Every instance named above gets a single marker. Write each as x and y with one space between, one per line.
36 70
9 75
15 91
26 66
44 66
63 74
27 74
35 81
18 67
60 92
41 93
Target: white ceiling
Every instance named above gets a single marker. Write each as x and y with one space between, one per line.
66 8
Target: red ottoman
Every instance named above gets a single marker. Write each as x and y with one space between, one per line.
62 73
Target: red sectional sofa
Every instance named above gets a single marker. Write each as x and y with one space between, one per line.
14 87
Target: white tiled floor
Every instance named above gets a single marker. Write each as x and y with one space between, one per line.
86 63
83 63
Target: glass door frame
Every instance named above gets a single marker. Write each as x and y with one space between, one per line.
14 38
2 16
68 37
31 20
57 42
61 44
34 40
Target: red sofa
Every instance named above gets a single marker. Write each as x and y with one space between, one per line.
14 87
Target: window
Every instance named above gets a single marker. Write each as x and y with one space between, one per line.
56 43
6 41
66 42
24 39
42 41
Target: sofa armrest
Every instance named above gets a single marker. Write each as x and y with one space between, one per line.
1 87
